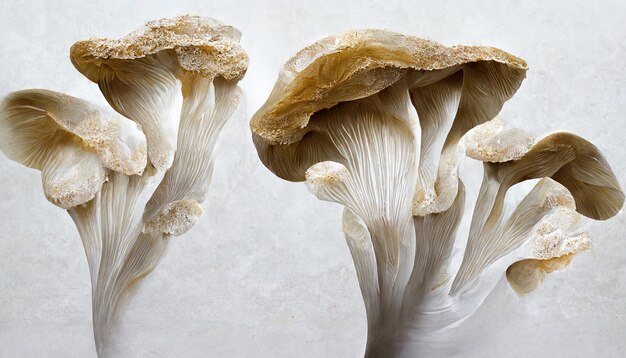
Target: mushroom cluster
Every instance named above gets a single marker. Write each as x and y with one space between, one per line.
378 122
132 177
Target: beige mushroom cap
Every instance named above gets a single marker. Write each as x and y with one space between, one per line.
35 120
72 142
575 163
357 64
202 45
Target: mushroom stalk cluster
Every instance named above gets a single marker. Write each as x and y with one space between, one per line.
378 122
133 177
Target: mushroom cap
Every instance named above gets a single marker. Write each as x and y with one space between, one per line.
578 165
489 142
35 121
72 142
201 45
588 177
357 64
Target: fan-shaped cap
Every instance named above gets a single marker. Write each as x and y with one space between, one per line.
71 141
146 74
357 64
201 45
578 165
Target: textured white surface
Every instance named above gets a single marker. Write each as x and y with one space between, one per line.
266 272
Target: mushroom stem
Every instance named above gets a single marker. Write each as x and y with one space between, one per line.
118 254
208 103
375 183
383 311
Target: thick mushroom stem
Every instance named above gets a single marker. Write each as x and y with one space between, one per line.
375 182
435 238
173 207
435 234
380 267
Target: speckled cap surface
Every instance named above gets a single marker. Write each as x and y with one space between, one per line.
359 63
202 45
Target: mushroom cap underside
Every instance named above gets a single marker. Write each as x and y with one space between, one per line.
358 64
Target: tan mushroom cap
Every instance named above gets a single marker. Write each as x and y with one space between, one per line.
525 276
575 163
202 45
354 65
357 64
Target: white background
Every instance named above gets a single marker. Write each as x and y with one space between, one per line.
266 272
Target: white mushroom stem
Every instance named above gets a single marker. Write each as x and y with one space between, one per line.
117 252
208 104
122 241
375 182
375 140
436 106
553 238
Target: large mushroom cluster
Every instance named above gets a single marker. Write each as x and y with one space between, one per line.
378 122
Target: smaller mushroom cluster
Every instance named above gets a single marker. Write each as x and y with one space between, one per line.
133 176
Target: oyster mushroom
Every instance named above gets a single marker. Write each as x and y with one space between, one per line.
146 74
177 79
374 121
572 161
72 142
184 69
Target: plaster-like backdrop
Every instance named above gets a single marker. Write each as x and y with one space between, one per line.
266 272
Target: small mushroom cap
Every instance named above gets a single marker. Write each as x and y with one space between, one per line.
36 121
201 45
72 177
358 64
525 276
175 218
579 166
72 142
553 250
489 142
